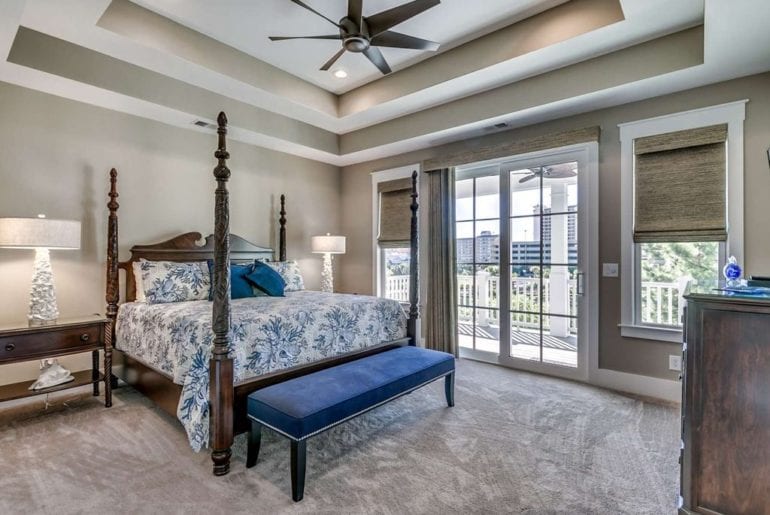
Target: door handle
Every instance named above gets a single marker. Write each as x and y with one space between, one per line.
580 286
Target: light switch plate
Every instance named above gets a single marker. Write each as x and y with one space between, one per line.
675 362
610 269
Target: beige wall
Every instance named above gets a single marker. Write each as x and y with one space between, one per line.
56 154
617 353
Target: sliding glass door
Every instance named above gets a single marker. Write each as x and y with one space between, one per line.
521 266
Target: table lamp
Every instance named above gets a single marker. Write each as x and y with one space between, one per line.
40 234
327 245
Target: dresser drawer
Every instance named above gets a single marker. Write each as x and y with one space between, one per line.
19 347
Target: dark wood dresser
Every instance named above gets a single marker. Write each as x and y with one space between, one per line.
725 461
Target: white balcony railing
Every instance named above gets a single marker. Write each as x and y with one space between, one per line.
660 301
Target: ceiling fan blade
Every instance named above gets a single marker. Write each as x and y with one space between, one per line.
303 4
528 178
375 56
398 40
559 171
283 38
559 175
333 60
384 20
355 12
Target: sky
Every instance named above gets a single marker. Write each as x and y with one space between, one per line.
523 202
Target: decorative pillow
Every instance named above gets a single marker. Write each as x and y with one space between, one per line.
240 287
267 280
136 267
169 281
290 273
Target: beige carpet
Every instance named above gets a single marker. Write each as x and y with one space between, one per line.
514 443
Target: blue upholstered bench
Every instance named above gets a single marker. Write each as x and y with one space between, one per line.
308 405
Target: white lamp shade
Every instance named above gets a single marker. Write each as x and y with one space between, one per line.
30 233
327 244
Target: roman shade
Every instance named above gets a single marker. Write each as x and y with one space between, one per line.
513 146
395 213
680 185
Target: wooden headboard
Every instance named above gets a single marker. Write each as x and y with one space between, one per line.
186 247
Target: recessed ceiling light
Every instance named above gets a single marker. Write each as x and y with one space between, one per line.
341 74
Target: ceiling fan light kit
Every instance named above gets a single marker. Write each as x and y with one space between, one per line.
364 34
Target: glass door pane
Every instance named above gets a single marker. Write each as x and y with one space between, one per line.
544 263
477 208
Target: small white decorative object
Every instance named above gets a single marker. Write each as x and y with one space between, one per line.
327 245
40 234
51 374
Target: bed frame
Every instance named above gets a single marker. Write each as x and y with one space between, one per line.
227 408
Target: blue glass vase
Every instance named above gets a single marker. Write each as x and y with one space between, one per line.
732 272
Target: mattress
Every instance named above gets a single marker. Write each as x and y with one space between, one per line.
267 334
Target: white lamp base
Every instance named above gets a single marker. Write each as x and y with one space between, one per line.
327 275
42 297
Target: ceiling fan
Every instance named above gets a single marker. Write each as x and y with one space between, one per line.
561 171
363 34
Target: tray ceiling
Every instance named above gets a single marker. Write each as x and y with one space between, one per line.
246 26
502 61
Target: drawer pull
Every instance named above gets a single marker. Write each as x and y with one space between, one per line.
9 347
84 337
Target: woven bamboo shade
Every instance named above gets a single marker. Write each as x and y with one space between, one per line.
395 213
680 186
513 147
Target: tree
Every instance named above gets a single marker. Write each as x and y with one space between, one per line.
667 262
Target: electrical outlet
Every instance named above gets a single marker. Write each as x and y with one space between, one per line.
675 362
610 269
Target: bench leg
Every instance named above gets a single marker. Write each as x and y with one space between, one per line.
255 439
449 389
298 469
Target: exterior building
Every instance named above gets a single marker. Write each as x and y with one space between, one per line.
488 244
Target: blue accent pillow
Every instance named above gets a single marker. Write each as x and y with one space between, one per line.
240 287
267 279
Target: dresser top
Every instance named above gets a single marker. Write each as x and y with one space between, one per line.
718 293
23 326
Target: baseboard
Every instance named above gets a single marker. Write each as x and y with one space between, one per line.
646 386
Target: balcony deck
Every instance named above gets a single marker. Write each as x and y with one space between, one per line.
525 344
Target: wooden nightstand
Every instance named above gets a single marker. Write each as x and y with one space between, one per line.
66 336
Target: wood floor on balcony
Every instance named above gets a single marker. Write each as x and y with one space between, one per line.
525 344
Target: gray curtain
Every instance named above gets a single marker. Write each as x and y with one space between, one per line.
441 316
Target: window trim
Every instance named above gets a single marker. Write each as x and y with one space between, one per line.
733 114
402 172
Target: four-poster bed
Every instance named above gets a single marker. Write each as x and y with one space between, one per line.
227 394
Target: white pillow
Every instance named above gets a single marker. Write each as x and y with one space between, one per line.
140 297
289 271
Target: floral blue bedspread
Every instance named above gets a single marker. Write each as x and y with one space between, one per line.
267 334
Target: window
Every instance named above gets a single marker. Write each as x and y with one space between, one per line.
682 198
664 271
391 215
394 271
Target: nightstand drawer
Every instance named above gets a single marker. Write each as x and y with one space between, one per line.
21 347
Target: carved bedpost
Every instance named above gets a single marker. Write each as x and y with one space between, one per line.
414 283
113 292
221 391
282 231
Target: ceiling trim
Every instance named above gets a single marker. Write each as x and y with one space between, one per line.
153 30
